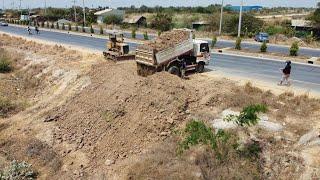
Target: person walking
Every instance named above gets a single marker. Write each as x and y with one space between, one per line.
29 30
37 30
286 72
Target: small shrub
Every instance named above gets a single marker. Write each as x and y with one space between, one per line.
294 49
69 27
198 133
159 33
133 33
91 30
264 47
248 116
63 26
5 64
145 36
193 36
238 43
18 170
250 150
101 30
214 41
5 106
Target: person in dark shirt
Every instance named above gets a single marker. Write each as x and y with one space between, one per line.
286 74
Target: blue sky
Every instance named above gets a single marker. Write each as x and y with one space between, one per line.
117 3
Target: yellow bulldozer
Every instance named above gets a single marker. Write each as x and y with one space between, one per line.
117 50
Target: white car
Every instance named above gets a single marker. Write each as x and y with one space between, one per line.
2 23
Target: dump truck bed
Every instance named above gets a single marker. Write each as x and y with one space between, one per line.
160 52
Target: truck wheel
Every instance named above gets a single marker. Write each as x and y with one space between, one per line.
174 70
200 68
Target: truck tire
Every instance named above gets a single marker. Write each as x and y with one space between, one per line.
174 70
200 68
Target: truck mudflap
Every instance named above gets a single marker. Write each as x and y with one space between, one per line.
145 70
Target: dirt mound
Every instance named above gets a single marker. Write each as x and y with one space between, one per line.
122 113
166 40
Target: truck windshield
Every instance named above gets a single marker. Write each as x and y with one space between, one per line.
204 47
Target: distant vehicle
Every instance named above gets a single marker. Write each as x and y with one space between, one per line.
262 37
3 23
176 52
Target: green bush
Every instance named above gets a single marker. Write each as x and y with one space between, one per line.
194 35
264 47
294 49
161 22
248 116
91 30
18 170
238 43
214 41
133 33
112 19
5 63
145 36
69 27
101 30
159 33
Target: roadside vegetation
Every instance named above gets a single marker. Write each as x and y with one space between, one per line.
18 170
5 62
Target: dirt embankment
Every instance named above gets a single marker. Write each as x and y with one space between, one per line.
96 119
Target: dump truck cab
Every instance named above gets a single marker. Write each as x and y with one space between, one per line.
202 51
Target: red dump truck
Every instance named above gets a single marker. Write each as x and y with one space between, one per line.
170 50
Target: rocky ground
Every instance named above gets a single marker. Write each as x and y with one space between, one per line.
92 119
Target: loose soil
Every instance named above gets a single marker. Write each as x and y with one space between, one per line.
94 119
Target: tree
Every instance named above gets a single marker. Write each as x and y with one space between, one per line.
238 43
63 26
112 19
250 23
161 22
133 33
77 28
101 30
294 49
91 29
57 25
145 36
315 18
214 41
69 27
264 47
83 29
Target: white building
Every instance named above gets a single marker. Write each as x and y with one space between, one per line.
107 12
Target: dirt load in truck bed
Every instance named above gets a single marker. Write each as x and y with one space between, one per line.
166 40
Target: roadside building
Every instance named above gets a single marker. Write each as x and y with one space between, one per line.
24 17
244 8
200 25
301 25
139 21
101 15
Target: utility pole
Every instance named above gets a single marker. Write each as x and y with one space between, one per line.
45 7
20 8
221 16
84 13
240 19
75 10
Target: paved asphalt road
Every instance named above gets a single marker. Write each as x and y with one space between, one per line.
305 77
